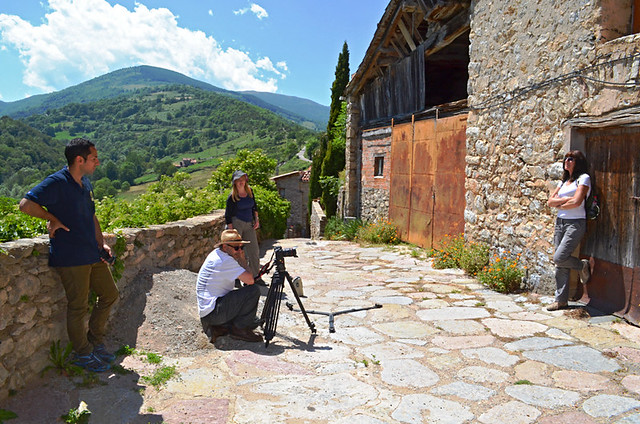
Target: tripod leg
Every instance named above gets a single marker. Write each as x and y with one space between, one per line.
311 325
271 308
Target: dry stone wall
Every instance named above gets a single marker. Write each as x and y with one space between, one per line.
516 132
32 300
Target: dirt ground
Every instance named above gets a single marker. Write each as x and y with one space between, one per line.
160 315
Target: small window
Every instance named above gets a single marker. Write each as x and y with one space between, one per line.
378 166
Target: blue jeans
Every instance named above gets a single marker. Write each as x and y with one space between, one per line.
568 233
237 308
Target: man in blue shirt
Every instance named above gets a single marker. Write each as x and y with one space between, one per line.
65 200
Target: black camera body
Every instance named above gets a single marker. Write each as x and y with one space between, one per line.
283 253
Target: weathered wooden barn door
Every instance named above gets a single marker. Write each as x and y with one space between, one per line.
613 240
426 198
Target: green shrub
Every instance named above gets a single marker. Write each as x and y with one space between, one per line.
474 257
378 232
502 274
15 224
274 211
337 229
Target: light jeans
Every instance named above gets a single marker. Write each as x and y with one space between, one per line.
568 233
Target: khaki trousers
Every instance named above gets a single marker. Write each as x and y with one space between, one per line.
77 281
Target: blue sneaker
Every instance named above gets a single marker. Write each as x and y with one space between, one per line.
90 362
101 352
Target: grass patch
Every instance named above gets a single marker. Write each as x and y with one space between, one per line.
160 376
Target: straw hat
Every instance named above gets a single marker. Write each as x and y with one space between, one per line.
231 237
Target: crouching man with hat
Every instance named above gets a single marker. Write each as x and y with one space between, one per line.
222 309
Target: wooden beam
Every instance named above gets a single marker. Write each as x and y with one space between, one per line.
406 34
456 26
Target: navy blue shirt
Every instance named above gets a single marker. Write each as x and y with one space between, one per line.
243 209
73 205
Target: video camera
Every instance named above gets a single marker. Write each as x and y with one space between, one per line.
283 253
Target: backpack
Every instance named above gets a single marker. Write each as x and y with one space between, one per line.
592 206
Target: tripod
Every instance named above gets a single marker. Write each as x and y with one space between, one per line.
271 308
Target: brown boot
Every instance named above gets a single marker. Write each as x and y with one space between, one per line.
555 306
215 331
245 334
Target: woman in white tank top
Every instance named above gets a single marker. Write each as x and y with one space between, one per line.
571 224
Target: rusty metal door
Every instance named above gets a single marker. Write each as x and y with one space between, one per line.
426 199
613 240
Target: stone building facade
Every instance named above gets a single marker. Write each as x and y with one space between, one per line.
294 186
531 72
536 74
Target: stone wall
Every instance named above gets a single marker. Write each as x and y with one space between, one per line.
317 221
32 300
374 190
516 131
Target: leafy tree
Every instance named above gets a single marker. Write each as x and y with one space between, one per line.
111 170
164 167
256 164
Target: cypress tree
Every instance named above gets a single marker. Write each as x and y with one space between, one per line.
338 86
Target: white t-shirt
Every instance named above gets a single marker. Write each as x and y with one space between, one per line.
568 190
216 278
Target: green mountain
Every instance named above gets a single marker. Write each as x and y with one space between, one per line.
145 132
124 81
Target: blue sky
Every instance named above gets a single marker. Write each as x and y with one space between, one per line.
285 46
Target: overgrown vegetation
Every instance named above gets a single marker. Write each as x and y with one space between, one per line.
61 360
337 229
378 232
501 273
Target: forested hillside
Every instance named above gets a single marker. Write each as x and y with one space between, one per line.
143 134
124 81
26 155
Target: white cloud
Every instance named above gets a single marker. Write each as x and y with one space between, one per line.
210 12
79 40
255 9
259 11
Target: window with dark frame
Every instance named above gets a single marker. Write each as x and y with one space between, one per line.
378 166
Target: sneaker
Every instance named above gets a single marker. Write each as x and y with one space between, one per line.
585 272
555 306
90 362
100 351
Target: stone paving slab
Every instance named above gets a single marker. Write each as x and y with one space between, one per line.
442 349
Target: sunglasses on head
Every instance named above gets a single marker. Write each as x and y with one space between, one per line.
236 248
